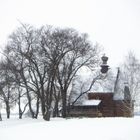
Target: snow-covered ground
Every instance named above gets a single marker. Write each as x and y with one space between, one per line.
71 129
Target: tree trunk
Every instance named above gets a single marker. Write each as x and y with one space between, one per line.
19 106
0 117
56 110
37 108
7 109
20 111
64 104
28 94
43 106
30 106
47 115
20 115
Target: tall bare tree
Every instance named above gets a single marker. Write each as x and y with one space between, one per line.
7 87
81 54
45 61
130 74
18 47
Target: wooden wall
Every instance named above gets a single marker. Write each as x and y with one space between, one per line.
107 108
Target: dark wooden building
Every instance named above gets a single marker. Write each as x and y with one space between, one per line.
103 105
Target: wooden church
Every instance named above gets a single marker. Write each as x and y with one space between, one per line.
104 104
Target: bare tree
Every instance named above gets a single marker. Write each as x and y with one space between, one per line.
131 75
7 87
65 52
44 63
82 54
18 47
128 81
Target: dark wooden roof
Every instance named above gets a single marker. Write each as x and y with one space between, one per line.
100 95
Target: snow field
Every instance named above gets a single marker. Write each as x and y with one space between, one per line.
71 129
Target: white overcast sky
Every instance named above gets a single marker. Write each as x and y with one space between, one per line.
114 24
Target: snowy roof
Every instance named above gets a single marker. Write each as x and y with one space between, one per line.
91 102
